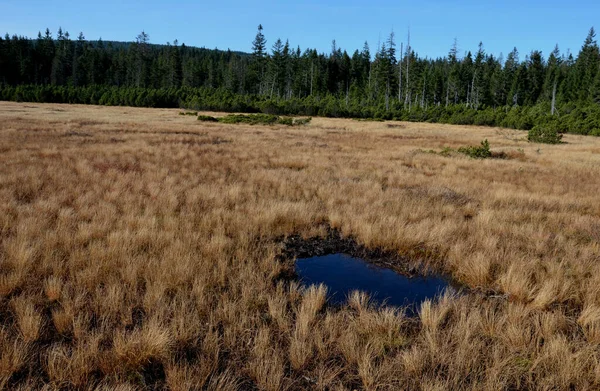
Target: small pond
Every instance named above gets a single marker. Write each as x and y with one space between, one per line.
343 274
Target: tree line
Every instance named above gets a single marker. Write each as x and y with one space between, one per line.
561 91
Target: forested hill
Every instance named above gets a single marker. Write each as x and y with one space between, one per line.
560 91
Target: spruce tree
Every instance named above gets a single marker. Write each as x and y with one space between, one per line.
535 70
453 73
259 61
587 65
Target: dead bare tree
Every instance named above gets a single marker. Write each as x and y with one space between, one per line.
553 108
400 72
408 55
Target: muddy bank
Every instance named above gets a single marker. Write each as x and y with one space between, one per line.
333 243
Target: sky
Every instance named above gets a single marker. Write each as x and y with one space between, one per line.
232 24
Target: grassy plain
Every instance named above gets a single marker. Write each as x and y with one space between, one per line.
139 249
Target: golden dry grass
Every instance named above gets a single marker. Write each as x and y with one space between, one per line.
139 249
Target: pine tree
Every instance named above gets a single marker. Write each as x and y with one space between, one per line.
175 66
142 59
333 69
62 61
587 65
552 78
535 74
78 54
287 71
366 70
277 68
498 84
391 63
4 45
510 73
259 61
466 80
46 50
520 86
478 85
453 75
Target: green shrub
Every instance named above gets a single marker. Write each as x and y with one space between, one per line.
289 121
302 121
542 134
263 119
446 151
570 117
480 152
207 118
251 119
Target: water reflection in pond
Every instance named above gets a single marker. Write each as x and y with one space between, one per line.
342 274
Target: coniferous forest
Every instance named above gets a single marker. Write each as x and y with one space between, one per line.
558 91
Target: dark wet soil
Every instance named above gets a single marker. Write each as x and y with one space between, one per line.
334 243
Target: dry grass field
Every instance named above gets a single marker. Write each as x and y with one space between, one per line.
140 249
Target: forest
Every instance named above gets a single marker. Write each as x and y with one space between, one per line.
559 92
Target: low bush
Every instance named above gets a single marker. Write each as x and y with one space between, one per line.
446 151
289 121
571 117
251 119
481 152
302 121
207 118
263 119
545 135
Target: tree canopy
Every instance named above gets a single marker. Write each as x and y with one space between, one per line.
395 82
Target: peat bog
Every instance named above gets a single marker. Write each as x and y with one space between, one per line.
344 266
152 255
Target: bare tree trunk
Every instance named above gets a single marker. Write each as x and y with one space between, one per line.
553 109
370 95
472 90
261 83
468 92
407 69
387 96
424 86
475 93
400 72
312 72
347 93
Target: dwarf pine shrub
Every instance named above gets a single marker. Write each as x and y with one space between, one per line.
545 135
480 152
302 121
207 118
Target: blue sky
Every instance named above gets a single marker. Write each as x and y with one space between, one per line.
500 25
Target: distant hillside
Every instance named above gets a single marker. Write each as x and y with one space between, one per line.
126 45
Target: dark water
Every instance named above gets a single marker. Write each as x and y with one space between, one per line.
342 274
